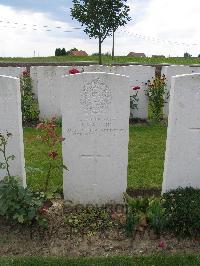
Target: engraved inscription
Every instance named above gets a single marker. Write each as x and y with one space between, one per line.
95 97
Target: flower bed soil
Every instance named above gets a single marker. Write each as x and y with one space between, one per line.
59 240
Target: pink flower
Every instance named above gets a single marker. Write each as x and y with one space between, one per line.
162 244
136 88
73 71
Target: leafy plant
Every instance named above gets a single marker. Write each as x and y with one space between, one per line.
101 18
157 93
182 211
3 143
89 219
30 109
58 122
49 136
20 204
135 212
134 98
16 202
156 215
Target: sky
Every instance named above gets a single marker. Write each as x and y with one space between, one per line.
158 27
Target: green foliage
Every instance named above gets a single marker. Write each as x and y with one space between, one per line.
134 101
101 18
156 92
153 260
60 52
48 135
20 204
187 55
4 165
89 219
143 212
105 59
135 212
58 122
155 215
30 109
182 211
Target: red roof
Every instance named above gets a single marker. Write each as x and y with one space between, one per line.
79 53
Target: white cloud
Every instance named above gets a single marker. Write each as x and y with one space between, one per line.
173 20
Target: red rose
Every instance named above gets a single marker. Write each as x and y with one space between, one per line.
25 73
73 71
53 154
136 88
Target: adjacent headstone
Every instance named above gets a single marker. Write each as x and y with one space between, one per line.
182 158
34 80
49 83
195 69
95 117
11 122
138 76
12 71
169 72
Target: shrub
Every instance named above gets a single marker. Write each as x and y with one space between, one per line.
49 136
182 211
135 212
20 204
30 109
134 98
17 203
155 215
156 92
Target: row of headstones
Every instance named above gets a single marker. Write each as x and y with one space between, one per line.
47 84
95 124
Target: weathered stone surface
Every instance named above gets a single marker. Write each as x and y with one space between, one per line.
12 71
11 122
169 72
95 114
182 159
138 76
49 84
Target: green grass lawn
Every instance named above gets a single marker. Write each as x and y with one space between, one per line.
146 158
175 260
106 59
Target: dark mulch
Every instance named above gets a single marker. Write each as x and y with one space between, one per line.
142 192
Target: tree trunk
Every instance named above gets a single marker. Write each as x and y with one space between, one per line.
100 58
113 47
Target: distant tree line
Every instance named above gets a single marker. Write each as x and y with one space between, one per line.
63 52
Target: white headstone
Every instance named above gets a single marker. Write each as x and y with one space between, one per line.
138 76
95 115
195 69
182 158
34 80
49 83
11 122
169 72
12 71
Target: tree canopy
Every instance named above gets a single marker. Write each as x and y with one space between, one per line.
100 17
